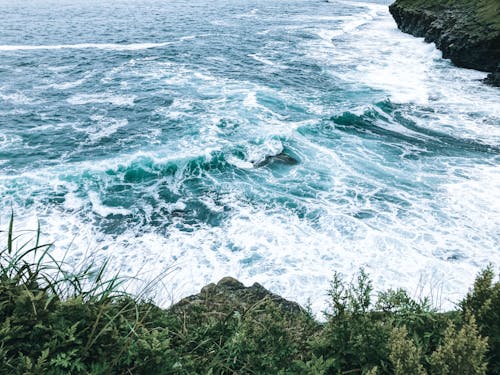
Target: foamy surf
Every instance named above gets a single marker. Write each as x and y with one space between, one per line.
118 100
277 147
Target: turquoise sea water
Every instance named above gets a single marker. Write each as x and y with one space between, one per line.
274 141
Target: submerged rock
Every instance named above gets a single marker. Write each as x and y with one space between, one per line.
493 78
466 31
282 158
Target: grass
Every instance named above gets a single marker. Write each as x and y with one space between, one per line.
484 14
53 321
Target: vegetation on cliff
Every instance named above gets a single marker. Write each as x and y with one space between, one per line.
479 14
467 31
57 322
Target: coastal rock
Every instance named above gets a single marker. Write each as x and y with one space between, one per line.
466 31
281 158
493 79
230 294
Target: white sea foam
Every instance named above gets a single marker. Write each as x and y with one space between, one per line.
470 201
103 127
397 71
251 13
240 163
412 71
191 37
187 37
16 98
118 100
61 68
382 56
9 140
103 46
265 61
258 153
250 100
67 85
102 210
72 202
350 23
328 35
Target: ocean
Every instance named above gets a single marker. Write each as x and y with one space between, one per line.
273 141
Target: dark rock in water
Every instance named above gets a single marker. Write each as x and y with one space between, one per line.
466 31
281 158
493 78
229 294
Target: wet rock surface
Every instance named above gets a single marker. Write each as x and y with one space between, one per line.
493 78
466 31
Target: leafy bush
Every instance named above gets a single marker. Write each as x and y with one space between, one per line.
404 355
394 335
483 301
354 337
462 351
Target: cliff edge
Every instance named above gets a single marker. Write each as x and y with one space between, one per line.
466 31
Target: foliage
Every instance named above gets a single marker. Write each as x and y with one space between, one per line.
353 336
53 321
404 355
462 351
483 301
395 334
483 15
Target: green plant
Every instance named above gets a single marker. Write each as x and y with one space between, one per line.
404 355
463 351
55 320
424 324
483 301
353 336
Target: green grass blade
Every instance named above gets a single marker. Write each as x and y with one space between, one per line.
9 235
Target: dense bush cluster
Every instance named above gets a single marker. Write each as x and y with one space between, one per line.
54 322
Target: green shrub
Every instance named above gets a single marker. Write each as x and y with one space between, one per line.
53 321
404 355
463 351
483 301
314 366
425 325
353 336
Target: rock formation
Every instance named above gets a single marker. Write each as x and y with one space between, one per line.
466 31
230 294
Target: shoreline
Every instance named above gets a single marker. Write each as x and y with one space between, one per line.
468 33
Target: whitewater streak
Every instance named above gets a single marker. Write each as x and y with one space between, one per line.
104 46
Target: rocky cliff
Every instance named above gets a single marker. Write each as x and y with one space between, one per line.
466 31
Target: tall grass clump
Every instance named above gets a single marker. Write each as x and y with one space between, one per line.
55 321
